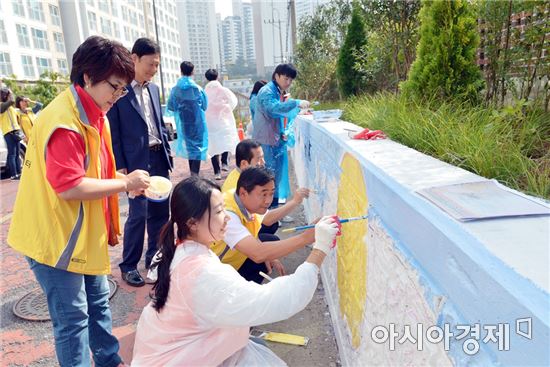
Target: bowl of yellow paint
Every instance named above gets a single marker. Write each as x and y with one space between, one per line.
159 188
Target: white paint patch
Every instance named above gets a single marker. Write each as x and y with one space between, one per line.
394 295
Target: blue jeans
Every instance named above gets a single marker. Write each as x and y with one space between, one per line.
14 163
79 308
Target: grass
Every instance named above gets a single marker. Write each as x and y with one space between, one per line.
508 145
334 105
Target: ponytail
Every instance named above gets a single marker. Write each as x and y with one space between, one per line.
167 251
190 200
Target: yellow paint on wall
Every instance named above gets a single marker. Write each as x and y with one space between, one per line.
352 250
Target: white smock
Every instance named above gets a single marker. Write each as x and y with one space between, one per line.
210 307
222 131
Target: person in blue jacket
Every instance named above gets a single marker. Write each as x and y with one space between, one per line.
253 96
274 109
188 102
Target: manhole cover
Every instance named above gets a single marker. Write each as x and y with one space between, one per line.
34 307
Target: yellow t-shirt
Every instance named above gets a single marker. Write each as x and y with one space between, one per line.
253 224
231 180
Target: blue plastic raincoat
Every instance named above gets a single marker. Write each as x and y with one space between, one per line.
269 131
188 102
253 100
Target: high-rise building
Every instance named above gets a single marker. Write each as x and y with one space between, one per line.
126 22
248 28
232 36
306 7
42 35
238 35
219 26
271 34
199 34
31 39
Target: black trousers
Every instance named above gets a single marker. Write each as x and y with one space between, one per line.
250 270
194 166
144 214
216 161
269 229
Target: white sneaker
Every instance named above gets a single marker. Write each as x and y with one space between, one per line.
218 176
287 219
225 168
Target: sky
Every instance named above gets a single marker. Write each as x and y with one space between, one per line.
224 8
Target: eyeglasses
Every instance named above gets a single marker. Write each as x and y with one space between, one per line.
117 92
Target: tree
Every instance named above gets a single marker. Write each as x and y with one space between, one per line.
392 39
356 37
445 64
316 54
240 69
44 89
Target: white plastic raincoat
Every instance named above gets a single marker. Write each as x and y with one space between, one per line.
210 307
222 132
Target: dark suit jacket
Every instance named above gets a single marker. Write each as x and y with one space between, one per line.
130 132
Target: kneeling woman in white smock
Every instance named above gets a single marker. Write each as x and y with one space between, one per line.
202 309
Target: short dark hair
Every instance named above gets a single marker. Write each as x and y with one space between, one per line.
254 176
286 70
145 46
187 68
243 152
257 86
211 74
100 58
18 101
4 93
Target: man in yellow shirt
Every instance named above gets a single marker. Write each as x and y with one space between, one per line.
248 153
244 247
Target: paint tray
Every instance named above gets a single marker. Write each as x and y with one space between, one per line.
281 337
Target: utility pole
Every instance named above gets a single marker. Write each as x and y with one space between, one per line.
292 5
274 24
158 42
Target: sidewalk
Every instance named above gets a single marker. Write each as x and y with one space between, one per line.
25 343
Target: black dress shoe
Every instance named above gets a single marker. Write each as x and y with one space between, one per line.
133 278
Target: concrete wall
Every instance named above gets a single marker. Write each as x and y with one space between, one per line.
412 266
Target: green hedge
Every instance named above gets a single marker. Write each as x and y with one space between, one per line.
511 145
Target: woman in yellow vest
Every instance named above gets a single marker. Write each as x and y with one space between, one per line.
11 131
26 115
71 183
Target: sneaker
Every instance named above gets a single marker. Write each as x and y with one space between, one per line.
225 168
287 219
218 176
15 178
133 278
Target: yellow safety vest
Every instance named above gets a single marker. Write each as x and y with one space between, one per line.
65 234
253 224
26 121
8 120
230 182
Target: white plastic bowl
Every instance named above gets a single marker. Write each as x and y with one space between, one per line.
159 189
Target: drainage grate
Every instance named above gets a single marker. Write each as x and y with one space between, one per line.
33 306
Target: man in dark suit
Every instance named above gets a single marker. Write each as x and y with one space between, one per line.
140 141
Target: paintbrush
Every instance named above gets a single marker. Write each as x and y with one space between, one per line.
300 228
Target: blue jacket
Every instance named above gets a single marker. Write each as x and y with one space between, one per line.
189 102
270 111
130 131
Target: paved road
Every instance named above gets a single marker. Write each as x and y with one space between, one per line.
25 343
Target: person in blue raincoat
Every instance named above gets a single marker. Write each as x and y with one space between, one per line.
188 102
253 96
273 107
